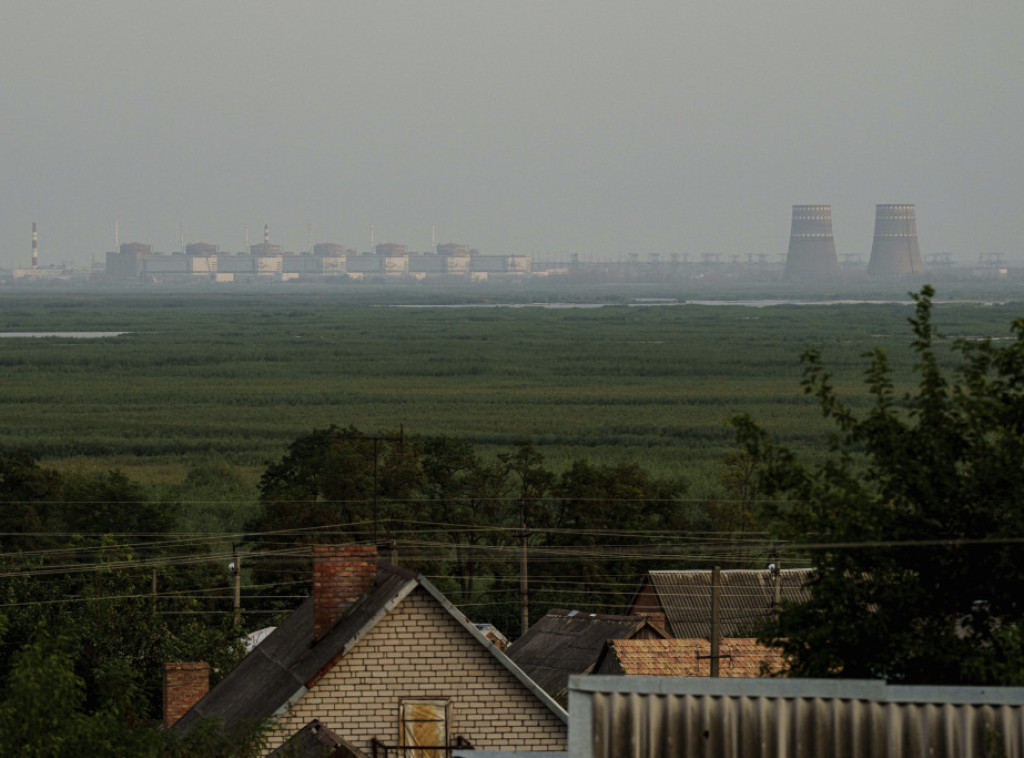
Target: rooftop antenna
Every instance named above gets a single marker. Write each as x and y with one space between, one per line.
35 247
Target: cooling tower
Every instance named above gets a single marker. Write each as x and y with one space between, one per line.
894 251
812 248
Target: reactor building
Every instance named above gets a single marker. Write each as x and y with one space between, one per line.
812 248
895 251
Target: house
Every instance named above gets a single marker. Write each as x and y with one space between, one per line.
377 660
739 657
569 642
682 599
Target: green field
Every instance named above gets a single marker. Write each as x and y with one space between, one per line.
237 376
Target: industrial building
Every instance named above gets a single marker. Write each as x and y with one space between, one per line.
136 261
895 251
812 246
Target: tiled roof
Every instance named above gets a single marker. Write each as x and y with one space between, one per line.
742 657
569 642
746 598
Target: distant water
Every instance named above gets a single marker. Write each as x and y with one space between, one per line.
72 335
661 303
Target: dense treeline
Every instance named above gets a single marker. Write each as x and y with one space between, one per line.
460 517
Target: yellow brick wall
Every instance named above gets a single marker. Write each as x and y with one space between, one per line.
419 651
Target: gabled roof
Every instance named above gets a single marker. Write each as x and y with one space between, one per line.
569 642
746 598
286 664
742 657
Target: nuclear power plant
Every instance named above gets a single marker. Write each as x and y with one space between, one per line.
812 248
811 261
894 251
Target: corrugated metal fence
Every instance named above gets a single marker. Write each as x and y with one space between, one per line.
654 717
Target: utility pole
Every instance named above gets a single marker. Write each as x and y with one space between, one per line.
524 583
236 569
776 584
716 613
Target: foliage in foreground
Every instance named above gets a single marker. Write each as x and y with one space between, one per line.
44 713
82 555
913 521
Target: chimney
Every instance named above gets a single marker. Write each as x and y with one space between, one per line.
184 686
342 575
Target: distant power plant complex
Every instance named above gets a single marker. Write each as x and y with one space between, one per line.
812 256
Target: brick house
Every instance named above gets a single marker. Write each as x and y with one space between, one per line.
379 659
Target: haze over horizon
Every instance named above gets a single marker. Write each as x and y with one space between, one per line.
545 129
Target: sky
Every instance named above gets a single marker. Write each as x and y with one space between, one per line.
536 127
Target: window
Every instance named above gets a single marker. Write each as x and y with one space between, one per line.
423 724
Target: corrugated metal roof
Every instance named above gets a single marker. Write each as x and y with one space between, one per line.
568 642
663 717
746 598
741 657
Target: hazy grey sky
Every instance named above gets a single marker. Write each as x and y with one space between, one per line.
536 127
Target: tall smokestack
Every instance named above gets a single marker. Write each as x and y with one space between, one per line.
35 247
812 248
266 234
894 251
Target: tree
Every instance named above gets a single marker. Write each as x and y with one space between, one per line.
338 477
594 509
912 520
80 554
44 713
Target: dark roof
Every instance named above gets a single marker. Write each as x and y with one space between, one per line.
746 598
569 642
315 740
277 672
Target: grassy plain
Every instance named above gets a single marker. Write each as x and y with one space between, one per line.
239 375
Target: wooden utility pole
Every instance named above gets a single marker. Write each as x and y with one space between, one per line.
237 571
716 613
524 584
776 587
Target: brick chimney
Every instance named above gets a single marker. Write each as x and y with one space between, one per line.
184 686
342 574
